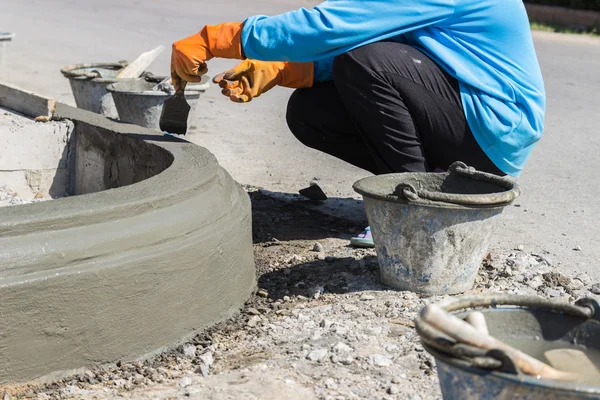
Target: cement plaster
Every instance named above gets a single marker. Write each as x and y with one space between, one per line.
118 274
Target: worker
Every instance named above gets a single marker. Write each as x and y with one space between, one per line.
389 85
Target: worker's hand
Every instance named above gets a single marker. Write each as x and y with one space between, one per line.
251 78
189 55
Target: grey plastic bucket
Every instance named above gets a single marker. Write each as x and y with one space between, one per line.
5 40
89 82
138 104
432 230
529 323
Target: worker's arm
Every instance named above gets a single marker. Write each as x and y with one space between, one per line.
335 27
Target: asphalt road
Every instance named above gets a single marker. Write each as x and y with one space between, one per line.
560 204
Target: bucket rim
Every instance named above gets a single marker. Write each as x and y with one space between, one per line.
410 195
7 36
70 71
191 88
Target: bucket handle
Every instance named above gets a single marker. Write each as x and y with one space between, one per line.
411 193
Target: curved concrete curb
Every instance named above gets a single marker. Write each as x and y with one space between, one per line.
122 273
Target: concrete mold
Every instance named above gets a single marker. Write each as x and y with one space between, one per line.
153 243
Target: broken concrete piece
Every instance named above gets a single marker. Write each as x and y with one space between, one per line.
29 103
313 192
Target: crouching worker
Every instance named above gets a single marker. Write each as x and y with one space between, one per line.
390 85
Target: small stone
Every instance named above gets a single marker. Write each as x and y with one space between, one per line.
535 282
398 379
393 390
545 259
120 382
584 278
318 247
595 288
203 370
345 360
206 358
317 355
326 324
380 360
189 350
287 272
575 284
330 259
185 381
520 247
262 293
155 377
391 348
342 348
315 292
577 248
367 297
553 292
330 384
397 330
6 396
321 257
254 321
341 330
286 298
293 259
253 311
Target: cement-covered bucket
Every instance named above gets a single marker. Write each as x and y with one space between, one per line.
89 82
432 230
5 39
137 102
532 325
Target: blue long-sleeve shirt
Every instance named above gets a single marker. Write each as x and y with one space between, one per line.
485 44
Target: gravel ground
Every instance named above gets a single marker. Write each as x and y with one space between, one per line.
9 197
321 326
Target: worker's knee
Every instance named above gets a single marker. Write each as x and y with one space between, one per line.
297 115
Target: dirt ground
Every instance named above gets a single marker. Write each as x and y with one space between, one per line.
321 325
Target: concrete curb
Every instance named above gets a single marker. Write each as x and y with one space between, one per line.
565 17
122 273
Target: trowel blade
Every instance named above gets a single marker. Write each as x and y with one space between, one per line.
174 115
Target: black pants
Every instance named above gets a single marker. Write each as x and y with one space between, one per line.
390 108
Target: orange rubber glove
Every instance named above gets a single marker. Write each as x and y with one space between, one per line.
189 55
251 78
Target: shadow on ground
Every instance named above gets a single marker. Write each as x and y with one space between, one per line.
284 235
277 220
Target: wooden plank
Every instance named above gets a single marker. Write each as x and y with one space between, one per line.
28 103
139 65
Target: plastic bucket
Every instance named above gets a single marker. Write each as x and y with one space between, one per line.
531 324
138 104
89 82
432 230
5 39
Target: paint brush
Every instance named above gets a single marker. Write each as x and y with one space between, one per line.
175 111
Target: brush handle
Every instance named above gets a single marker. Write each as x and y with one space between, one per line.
463 332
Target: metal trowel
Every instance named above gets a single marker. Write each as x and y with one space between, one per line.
175 112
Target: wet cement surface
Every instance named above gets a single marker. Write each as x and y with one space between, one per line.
122 273
558 211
